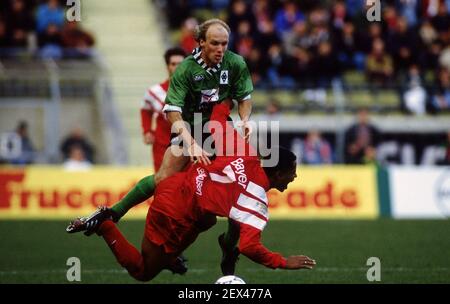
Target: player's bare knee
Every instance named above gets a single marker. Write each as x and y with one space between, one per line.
161 175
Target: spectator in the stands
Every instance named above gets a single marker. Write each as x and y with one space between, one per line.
77 160
429 46
441 97
441 22
427 33
338 15
280 71
49 13
366 40
258 66
243 41
316 150
301 67
354 7
347 48
27 152
408 9
319 33
187 40
263 11
379 66
19 23
297 37
390 19
77 42
361 139
239 11
266 36
325 65
402 43
444 58
286 17
50 43
77 138
415 96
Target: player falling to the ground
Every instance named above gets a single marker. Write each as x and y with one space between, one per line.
233 186
155 127
209 76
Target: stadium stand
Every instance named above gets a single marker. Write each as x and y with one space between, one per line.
131 42
324 60
52 77
325 65
399 64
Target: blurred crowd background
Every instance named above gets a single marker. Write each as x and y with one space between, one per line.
345 90
308 44
40 28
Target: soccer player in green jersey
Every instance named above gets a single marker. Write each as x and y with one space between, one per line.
209 76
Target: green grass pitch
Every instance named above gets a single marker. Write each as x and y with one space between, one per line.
411 251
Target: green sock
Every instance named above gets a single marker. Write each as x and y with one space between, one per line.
142 191
231 237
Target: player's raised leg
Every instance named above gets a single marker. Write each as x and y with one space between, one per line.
174 161
142 191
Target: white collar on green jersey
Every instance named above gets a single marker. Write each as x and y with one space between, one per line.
196 53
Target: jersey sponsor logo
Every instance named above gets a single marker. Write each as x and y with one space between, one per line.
199 179
198 77
209 96
224 77
239 169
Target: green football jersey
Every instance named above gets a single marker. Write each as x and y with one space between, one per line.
195 87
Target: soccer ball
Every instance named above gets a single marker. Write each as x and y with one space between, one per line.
230 279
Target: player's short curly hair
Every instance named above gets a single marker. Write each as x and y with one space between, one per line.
200 30
286 160
175 51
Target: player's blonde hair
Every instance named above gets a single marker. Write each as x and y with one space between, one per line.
200 30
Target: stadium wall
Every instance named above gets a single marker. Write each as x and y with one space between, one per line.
320 192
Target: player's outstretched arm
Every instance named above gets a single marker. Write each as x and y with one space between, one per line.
194 150
250 245
245 110
299 261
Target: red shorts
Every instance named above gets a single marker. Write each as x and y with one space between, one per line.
162 230
166 222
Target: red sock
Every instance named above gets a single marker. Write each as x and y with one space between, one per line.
126 254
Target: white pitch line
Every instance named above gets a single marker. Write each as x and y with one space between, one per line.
204 270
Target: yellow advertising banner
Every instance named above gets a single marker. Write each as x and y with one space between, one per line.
341 192
37 192
52 192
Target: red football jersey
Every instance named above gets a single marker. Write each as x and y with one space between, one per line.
151 109
233 186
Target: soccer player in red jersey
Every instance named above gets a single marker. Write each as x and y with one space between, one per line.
233 186
155 127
